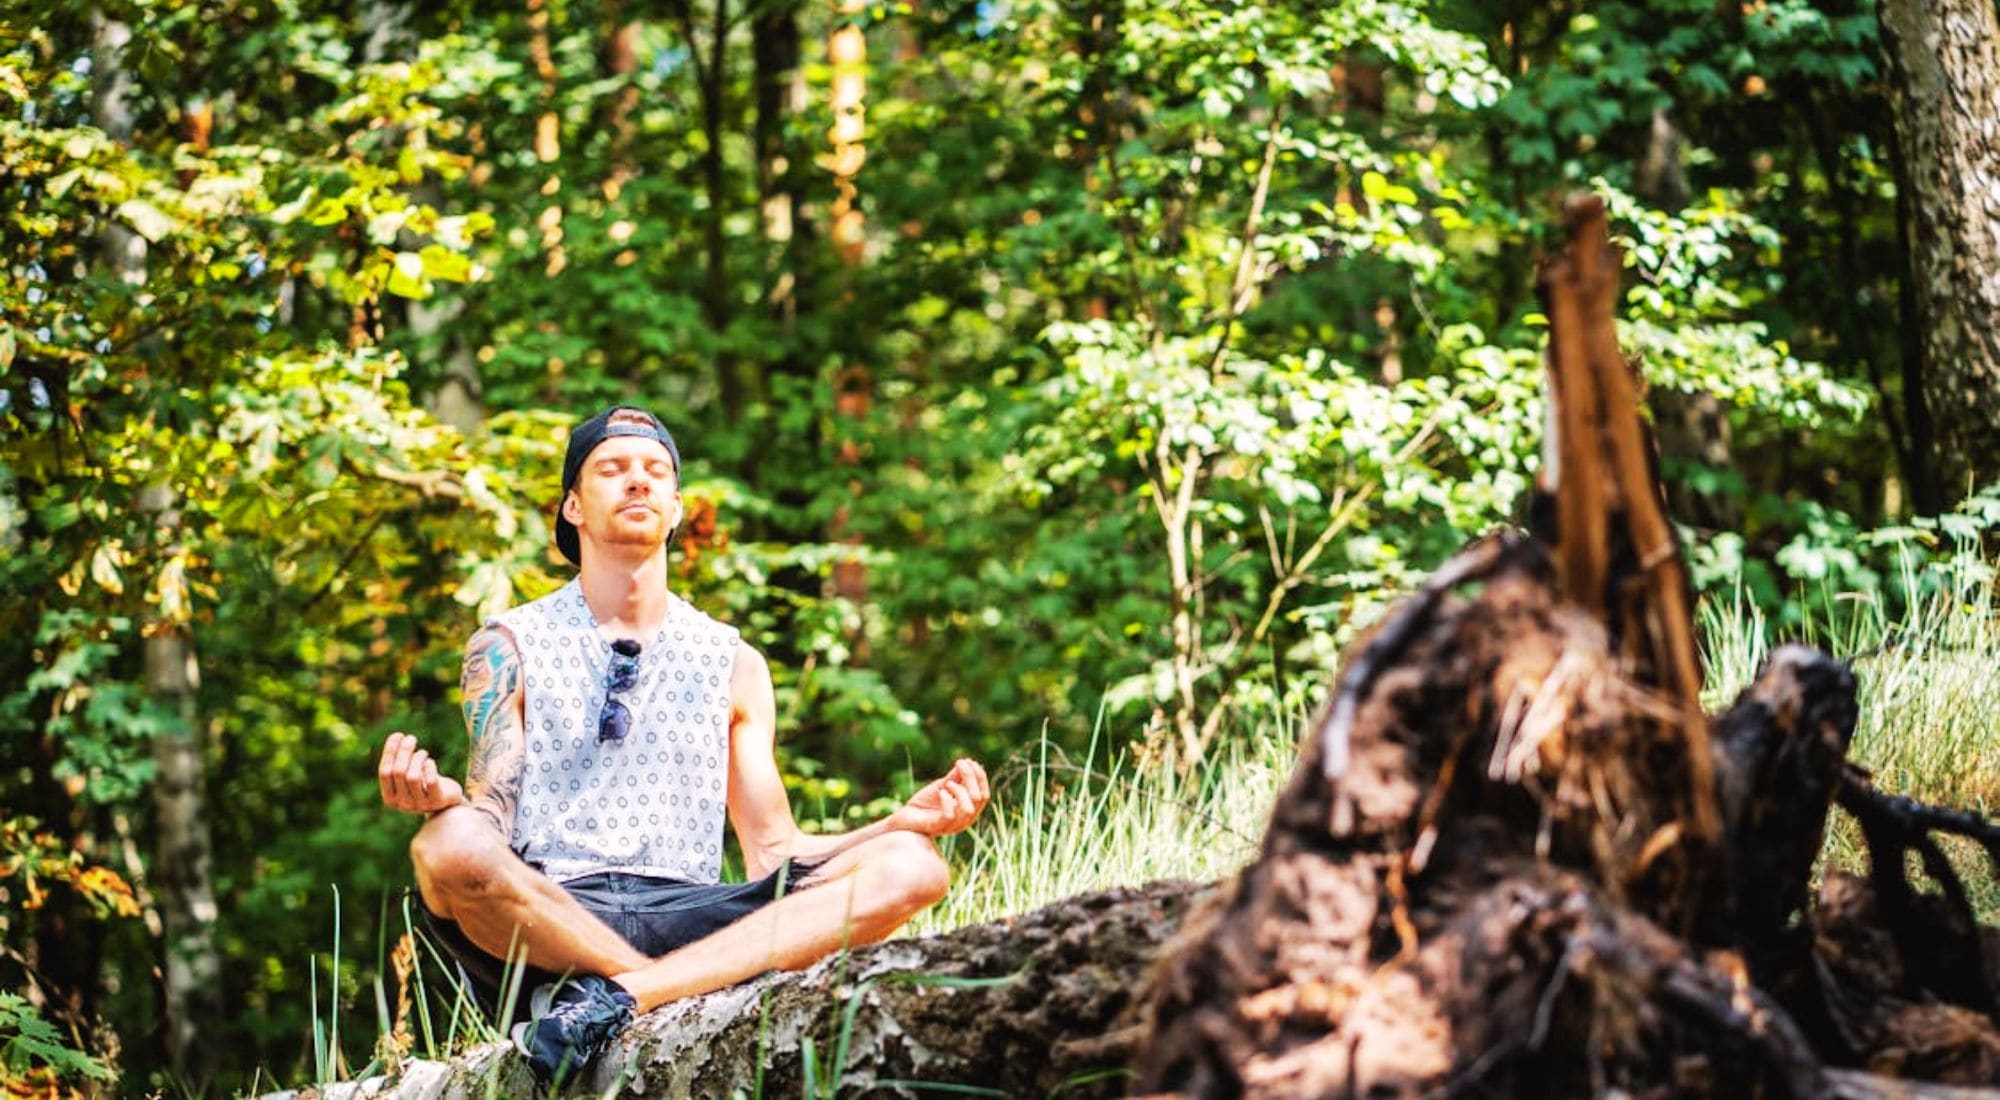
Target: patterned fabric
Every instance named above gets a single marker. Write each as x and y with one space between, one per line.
652 804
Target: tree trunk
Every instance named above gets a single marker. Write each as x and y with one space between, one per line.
781 94
718 307
618 60
1944 78
192 969
854 384
181 878
548 137
1034 1005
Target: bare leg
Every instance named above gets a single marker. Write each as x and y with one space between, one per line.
859 896
467 874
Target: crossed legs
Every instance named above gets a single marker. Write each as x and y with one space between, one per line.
466 873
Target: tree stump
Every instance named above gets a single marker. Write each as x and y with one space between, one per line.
1516 859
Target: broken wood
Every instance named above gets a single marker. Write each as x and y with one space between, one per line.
1516 859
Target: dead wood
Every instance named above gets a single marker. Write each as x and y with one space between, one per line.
1515 858
1027 1006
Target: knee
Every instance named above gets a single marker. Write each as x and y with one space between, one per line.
910 873
456 855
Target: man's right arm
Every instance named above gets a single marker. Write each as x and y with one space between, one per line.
490 692
490 689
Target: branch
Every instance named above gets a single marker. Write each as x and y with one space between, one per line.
1246 264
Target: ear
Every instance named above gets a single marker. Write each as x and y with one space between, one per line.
572 509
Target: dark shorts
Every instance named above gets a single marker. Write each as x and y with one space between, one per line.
655 915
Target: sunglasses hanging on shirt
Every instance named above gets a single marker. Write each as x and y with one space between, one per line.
614 722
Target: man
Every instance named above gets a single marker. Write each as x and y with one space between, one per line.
611 725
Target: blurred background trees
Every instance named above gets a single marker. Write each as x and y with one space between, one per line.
1041 367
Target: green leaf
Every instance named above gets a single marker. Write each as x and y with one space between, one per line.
439 262
1377 186
58 516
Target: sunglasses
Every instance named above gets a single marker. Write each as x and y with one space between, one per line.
615 720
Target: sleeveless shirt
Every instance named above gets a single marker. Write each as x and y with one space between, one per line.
652 804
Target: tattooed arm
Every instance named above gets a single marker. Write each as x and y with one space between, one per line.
491 690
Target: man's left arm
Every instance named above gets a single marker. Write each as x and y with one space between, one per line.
761 811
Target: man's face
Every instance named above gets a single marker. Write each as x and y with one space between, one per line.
626 494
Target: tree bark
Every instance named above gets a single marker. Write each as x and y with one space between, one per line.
192 970
853 384
1028 1006
781 93
717 296
1944 78
181 878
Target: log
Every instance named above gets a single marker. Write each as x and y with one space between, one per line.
1026 1006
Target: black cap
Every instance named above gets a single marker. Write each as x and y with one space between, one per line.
585 440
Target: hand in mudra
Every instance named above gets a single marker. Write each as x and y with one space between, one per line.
947 805
410 779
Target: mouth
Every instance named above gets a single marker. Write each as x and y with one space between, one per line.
636 506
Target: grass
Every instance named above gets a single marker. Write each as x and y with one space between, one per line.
1929 683
1929 692
1058 827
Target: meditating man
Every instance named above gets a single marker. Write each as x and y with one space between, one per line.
612 724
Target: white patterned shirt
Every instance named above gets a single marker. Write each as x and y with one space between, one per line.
652 804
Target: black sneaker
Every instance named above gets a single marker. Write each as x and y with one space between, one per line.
574 1020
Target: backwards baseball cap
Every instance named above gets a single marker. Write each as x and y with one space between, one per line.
584 440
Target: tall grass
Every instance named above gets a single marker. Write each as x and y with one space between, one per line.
1926 656
1058 827
1928 666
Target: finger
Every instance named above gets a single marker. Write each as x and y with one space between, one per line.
961 799
427 781
413 772
387 762
404 750
394 763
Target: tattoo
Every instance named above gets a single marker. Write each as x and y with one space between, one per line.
490 693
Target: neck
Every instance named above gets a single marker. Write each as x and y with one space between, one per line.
627 596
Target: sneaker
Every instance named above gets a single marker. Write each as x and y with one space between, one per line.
573 1022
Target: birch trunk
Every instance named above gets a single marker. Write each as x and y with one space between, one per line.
191 971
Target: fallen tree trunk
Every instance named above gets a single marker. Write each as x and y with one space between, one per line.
1029 1006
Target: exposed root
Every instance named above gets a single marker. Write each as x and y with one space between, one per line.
1515 859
